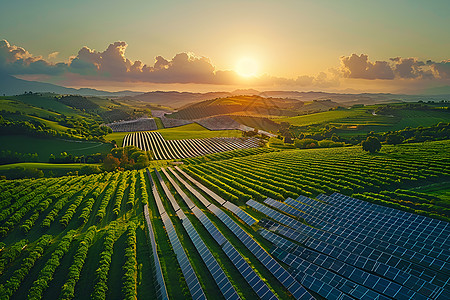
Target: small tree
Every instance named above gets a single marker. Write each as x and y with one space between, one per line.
394 139
371 144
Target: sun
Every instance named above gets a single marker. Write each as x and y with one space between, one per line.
247 67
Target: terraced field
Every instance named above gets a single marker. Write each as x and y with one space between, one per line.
291 224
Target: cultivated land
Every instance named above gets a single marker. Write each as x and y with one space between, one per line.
86 236
361 120
247 223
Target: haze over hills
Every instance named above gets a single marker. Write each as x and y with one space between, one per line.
10 85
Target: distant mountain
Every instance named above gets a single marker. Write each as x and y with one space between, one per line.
10 85
441 90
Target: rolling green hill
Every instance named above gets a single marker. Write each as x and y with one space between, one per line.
46 146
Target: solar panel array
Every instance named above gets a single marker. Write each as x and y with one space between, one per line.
271 264
252 278
335 246
186 267
161 290
211 263
360 249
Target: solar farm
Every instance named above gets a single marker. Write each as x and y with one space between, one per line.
175 149
298 224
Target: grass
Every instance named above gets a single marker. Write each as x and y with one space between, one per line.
320 118
196 131
440 190
44 147
159 123
46 103
14 106
363 120
116 136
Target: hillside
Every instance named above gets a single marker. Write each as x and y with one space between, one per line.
378 118
239 104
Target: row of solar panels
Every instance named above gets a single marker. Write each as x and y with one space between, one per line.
351 256
255 281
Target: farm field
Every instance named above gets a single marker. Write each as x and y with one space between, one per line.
175 149
90 236
196 131
363 116
44 147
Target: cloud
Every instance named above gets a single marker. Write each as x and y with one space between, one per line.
16 60
361 67
355 66
112 65
53 55
440 70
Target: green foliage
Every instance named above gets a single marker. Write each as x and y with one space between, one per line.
46 274
19 275
101 274
394 139
126 158
129 278
345 170
228 155
12 253
75 268
371 144
306 143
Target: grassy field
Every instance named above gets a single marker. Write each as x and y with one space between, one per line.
116 136
320 118
46 102
16 106
195 131
44 147
361 120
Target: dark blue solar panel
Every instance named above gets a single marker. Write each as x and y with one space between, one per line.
183 195
186 267
274 267
240 213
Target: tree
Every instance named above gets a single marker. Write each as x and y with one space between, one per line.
394 139
371 144
111 163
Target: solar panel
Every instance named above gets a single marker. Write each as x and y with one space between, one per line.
202 187
183 195
247 272
249 275
162 291
272 265
347 243
186 267
169 195
360 237
190 188
240 213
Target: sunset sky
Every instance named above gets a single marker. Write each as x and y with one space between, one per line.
357 46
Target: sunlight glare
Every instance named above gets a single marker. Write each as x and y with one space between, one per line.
247 67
